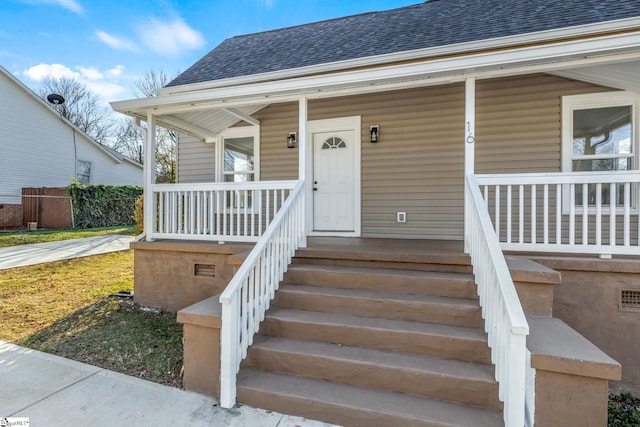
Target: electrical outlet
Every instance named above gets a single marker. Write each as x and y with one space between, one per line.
401 216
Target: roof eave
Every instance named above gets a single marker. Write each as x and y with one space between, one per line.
133 162
398 57
536 58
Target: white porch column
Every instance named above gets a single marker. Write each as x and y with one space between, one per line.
149 177
469 143
470 125
302 166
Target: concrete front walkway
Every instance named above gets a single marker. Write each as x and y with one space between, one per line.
52 391
22 255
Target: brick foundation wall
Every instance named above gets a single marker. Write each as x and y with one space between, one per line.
10 216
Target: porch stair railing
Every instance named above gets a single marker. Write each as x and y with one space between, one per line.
224 211
247 297
505 322
565 212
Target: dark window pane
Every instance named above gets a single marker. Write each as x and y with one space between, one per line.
602 165
602 131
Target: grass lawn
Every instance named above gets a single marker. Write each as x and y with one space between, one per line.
15 238
68 308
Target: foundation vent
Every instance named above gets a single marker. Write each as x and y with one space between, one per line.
204 270
630 299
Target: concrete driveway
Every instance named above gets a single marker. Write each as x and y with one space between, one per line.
37 253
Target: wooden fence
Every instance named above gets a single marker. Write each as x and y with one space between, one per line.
48 207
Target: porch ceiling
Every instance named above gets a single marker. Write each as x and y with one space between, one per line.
209 123
623 75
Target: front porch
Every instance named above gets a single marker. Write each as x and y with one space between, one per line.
563 360
454 169
235 213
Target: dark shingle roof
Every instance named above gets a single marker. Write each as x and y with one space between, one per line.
431 24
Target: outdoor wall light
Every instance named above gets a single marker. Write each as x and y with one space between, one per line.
291 140
375 133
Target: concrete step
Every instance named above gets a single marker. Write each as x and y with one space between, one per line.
388 305
462 382
446 284
349 405
387 253
443 341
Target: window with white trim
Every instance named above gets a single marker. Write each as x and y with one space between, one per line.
237 155
237 160
83 171
599 135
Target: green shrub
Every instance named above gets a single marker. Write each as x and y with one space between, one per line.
103 205
138 214
624 410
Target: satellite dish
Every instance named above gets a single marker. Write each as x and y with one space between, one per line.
55 99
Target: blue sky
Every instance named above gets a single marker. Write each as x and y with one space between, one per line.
107 44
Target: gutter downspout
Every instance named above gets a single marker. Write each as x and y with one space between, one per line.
75 155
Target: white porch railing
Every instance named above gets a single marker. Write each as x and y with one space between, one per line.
247 297
505 322
224 211
565 212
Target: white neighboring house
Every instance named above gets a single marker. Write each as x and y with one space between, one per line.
39 148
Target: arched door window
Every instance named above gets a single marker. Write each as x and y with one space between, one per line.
334 142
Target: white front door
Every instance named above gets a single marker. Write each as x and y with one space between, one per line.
334 198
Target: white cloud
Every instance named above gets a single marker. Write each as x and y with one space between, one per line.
91 73
115 71
71 5
40 71
106 88
169 38
108 91
118 43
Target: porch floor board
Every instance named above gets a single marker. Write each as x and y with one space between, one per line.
391 250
